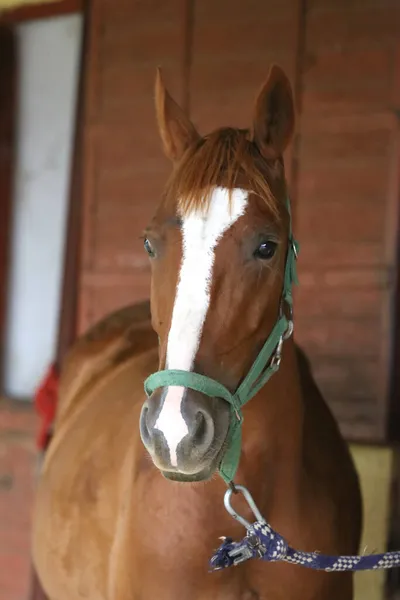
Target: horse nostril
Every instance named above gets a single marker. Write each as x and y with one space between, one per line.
144 426
200 426
202 431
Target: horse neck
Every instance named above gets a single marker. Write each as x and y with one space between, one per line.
270 467
272 432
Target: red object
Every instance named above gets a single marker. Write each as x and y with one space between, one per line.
46 404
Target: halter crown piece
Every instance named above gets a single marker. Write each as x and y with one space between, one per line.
265 365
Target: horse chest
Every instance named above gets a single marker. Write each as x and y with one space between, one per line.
240 595
219 593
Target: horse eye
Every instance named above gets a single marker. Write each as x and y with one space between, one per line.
149 248
266 250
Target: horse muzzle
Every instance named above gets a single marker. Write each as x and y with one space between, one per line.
184 432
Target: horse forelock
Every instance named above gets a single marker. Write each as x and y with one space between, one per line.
224 158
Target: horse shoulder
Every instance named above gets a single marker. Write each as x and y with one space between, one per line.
120 335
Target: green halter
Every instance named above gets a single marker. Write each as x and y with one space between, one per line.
265 365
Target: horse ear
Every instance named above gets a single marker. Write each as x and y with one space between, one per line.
274 115
176 129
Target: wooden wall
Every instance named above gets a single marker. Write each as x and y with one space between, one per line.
347 204
8 96
343 57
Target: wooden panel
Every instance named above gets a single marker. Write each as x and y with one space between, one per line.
99 292
36 10
18 425
234 45
352 24
342 57
68 317
232 53
124 168
8 72
346 216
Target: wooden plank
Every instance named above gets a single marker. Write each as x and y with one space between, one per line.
32 12
347 217
292 156
393 417
8 94
67 328
124 168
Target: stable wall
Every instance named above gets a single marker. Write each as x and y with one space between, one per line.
343 58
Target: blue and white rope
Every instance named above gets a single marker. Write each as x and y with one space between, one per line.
263 542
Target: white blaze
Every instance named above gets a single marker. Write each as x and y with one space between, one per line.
201 233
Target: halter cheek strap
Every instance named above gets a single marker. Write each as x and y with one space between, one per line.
265 365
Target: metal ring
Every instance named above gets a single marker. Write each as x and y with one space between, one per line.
249 499
290 311
289 330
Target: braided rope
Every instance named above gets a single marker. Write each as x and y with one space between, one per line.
263 542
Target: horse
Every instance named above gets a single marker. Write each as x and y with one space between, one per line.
129 503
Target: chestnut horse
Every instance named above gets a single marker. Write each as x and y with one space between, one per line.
134 513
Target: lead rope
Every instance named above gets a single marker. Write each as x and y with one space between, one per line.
263 542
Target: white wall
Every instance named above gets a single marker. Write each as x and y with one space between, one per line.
49 67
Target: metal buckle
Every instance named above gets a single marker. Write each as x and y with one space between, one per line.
240 554
277 356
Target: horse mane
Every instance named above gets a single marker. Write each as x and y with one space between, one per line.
218 159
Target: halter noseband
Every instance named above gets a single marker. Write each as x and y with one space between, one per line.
265 365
